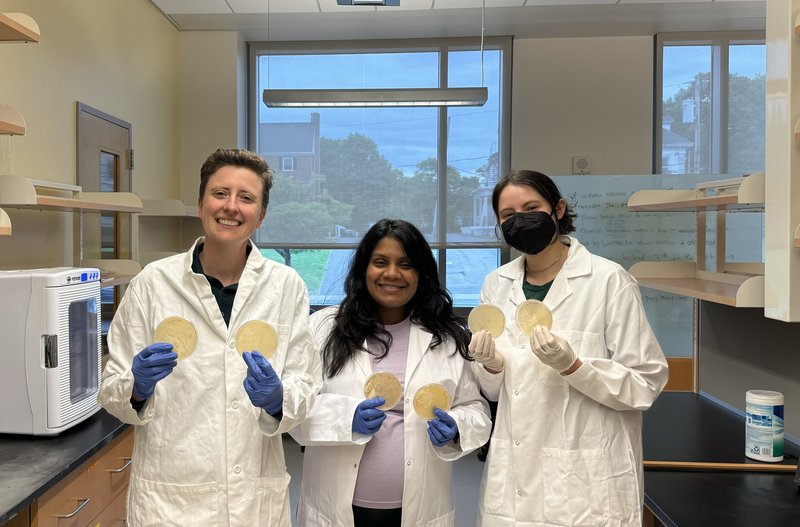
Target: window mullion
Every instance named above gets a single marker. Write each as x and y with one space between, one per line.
719 108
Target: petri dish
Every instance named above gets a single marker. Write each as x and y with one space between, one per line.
487 317
429 397
257 335
532 313
384 384
180 333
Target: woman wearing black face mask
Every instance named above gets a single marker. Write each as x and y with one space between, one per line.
572 398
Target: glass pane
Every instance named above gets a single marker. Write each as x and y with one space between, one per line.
83 352
108 179
472 150
466 269
686 110
746 103
322 270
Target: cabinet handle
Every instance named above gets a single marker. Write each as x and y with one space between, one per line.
122 468
84 503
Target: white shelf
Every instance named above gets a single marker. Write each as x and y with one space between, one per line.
18 27
683 278
5 224
23 193
797 131
168 208
11 121
114 273
745 193
797 236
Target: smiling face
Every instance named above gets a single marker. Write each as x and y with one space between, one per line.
391 280
230 209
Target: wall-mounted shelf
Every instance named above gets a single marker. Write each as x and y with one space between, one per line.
5 224
732 284
745 193
18 27
11 121
114 273
797 26
23 193
797 236
171 208
684 278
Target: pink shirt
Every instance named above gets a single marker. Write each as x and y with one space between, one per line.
380 474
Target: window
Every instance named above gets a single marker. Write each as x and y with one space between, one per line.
434 167
710 103
287 164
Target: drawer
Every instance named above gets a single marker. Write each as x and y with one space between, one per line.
114 514
84 493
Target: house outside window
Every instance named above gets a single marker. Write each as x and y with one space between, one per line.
432 166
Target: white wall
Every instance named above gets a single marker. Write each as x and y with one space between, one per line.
583 96
120 57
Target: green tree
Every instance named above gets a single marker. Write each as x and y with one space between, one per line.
357 174
297 213
745 121
422 190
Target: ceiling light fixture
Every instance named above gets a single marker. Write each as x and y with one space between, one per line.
369 2
373 97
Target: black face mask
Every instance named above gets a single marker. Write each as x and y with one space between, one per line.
529 232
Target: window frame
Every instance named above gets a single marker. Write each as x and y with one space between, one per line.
443 46
721 42
284 164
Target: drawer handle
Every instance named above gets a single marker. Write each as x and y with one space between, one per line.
84 503
122 468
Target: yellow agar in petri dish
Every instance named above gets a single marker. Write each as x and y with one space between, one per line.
429 397
180 333
487 317
257 335
384 384
532 313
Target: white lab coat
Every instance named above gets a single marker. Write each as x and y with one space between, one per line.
566 450
203 454
333 451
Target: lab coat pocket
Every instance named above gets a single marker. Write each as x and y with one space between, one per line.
273 499
152 503
575 486
448 520
497 471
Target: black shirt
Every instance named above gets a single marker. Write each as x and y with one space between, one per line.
224 294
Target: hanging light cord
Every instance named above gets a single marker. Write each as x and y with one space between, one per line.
483 8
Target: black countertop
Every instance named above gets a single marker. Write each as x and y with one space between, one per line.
690 427
29 466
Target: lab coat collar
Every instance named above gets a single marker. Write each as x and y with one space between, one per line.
578 263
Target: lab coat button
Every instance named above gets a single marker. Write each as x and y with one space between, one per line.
355 465
516 442
232 345
237 469
519 492
516 392
150 413
408 400
408 463
235 405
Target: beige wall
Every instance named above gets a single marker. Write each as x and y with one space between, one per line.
583 96
119 56
212 95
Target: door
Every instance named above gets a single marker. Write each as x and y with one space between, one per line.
105 162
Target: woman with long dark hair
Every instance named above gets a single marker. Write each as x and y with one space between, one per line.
364 466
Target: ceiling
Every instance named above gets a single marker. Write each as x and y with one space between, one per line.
285 20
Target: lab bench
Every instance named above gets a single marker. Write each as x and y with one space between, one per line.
687 427
33 469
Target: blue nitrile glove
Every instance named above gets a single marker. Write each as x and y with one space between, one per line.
443 429
262 384
150 366
367 419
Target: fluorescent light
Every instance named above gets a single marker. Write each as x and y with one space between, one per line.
368 2
376 97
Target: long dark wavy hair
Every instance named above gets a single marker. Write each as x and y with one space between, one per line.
431 306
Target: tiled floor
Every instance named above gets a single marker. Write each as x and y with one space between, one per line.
466 482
